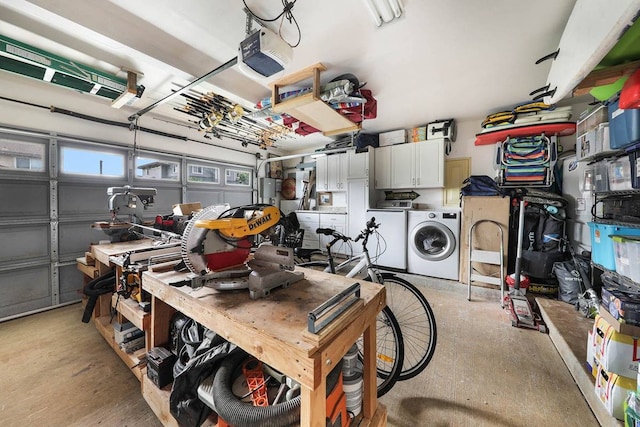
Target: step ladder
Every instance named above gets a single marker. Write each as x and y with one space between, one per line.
486 257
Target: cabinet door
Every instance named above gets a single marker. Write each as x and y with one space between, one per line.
321 174
336 174
309 222
358 164
403 166
382 170
336 222
430 164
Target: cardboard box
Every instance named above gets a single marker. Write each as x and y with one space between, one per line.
615 352
592 362
418 134
624 307
392 137
186 208
618 326
612 390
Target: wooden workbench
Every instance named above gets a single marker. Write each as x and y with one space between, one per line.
274 330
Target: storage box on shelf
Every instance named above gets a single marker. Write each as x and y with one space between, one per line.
592 136
310 108
627 256
619 174
602 252
624 125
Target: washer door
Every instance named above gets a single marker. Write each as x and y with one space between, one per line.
432 241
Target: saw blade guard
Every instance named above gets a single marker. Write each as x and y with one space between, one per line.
192 247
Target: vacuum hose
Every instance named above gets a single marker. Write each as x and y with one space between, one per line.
98 286
241 414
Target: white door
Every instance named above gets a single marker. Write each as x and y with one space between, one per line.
430 164
358 164
403 166
382 169
335 172
321 173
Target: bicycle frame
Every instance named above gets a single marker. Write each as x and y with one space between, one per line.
364 262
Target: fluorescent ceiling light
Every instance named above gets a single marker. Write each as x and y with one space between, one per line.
382 11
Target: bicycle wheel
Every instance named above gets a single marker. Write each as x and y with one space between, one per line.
417 323
389 351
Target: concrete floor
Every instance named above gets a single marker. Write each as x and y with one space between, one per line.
58 371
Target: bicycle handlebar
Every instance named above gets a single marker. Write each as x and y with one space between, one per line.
332 232
370 226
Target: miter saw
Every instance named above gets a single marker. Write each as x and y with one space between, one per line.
129 201
216 245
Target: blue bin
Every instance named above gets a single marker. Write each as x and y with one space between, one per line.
602 252
624 125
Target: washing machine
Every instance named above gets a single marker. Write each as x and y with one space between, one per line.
434 243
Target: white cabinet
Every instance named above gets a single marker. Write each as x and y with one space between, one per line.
429 169
331 172
382 170
403 166
321 174
336 222
411 165
309 222
358 163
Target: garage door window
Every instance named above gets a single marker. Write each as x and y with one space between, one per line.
157 169
22 156
78 161
199 173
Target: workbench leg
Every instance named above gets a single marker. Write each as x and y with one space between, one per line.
161 313
313 406
369 397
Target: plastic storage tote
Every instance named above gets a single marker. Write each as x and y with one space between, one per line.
627 254
602 252
624 125
600 176
620 174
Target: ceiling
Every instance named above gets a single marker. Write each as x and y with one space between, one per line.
442 59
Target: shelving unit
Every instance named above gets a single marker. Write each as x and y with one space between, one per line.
274 330
309 108
127 309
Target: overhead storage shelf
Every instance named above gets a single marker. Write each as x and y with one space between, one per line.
310 108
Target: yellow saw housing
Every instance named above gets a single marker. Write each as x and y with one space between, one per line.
238 228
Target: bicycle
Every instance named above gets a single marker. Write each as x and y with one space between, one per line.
408 305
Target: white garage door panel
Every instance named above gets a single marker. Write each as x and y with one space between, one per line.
75 238
237 198
205 197
84 200
34 290
27 241
70 283
24 199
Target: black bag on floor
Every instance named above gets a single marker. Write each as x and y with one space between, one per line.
570 284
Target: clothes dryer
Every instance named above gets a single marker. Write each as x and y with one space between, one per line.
434 243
